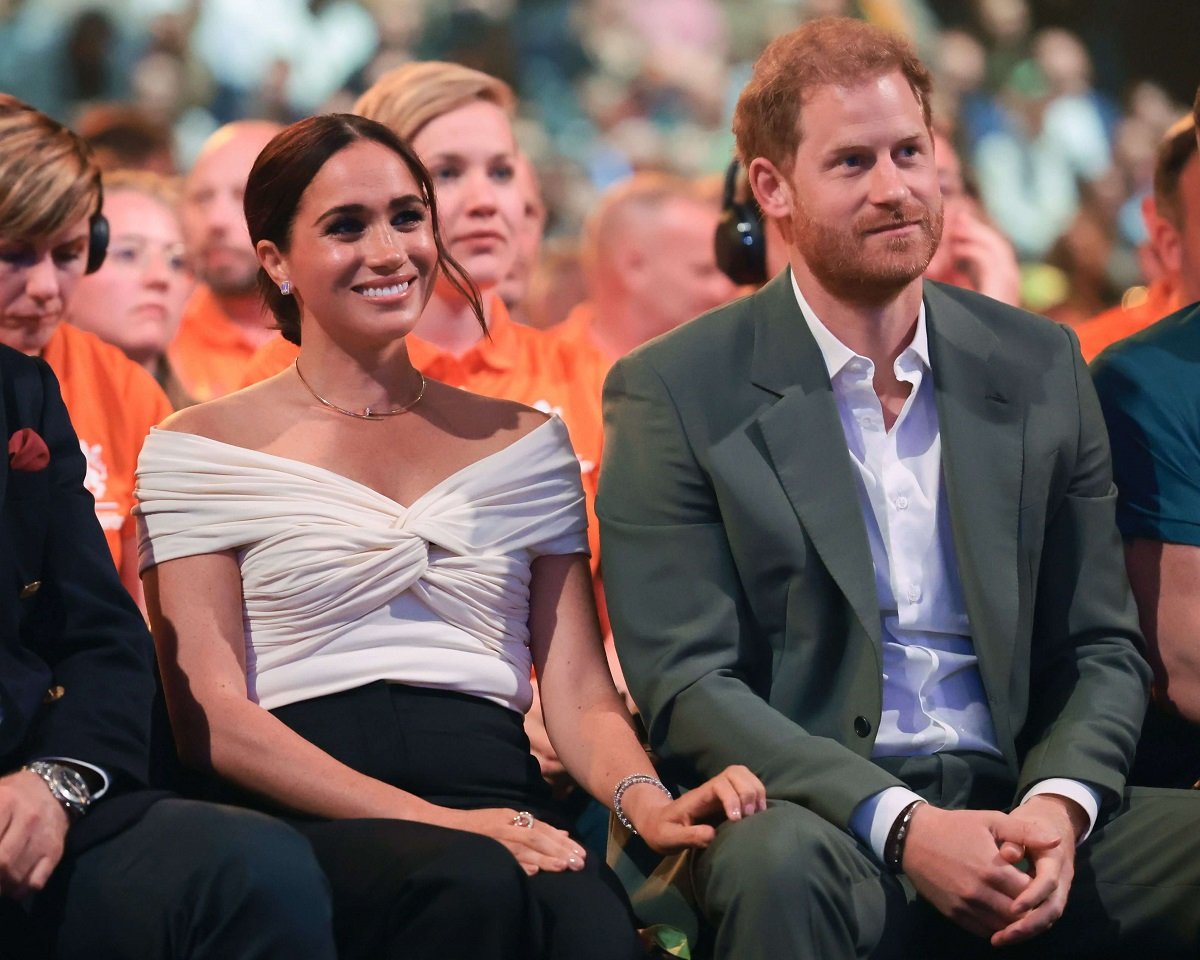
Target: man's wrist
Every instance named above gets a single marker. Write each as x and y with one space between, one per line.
893 849
66 785
1087 798
97 778
1071 812
873 819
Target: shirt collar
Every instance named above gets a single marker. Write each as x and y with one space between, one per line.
498 352
836 354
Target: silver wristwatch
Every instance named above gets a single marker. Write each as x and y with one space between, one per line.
66 784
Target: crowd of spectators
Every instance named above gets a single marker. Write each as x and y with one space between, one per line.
1060 161
580 154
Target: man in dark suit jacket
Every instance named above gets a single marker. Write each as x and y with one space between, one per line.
858 535
92 863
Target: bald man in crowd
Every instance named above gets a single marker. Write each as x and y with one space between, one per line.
224 321
649 263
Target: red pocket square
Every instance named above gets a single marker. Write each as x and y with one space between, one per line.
27 451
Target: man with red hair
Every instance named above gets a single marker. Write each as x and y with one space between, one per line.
858 535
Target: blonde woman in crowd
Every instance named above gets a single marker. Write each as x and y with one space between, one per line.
135 300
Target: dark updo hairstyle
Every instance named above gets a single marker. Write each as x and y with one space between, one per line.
283 171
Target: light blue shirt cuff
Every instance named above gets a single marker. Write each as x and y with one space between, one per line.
872 819
104 780
1081 793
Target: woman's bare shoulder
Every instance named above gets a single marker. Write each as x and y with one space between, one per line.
235 418
472 413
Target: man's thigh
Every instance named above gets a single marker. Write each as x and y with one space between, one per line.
1137 881
787 883
192 879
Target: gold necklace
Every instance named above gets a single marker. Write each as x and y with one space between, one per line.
367 412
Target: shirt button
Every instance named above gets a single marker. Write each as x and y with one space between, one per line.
862 727
914 593
902 503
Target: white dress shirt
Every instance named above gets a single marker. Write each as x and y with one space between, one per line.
933 696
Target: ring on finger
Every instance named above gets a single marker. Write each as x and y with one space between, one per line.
523 819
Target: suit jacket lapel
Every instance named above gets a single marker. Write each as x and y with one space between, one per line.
982 461
803 437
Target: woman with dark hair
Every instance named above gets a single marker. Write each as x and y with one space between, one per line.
351 568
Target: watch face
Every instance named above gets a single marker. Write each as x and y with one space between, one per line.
71 785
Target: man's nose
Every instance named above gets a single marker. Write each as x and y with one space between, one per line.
888 186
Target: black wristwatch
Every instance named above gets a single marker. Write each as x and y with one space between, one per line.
66 784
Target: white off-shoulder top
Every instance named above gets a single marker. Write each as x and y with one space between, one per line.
343 586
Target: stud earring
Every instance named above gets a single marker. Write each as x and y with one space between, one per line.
286 287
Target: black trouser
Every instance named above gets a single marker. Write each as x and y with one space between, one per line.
464 752
188 880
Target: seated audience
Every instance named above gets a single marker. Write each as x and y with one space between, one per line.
92 862
1149 387
135 300
112 401
1172 217
352 567
224 321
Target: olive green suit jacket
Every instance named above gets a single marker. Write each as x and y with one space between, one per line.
739 577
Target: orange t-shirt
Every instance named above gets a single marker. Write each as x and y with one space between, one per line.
210 351
518 363
575 334
1122 321
113 403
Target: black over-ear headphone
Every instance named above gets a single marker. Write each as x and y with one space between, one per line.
97 232
97 223
739 242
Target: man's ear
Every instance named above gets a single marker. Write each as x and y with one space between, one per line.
628 266
770 188
1164 238
272 261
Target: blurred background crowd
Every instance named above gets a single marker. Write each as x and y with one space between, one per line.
1056 106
